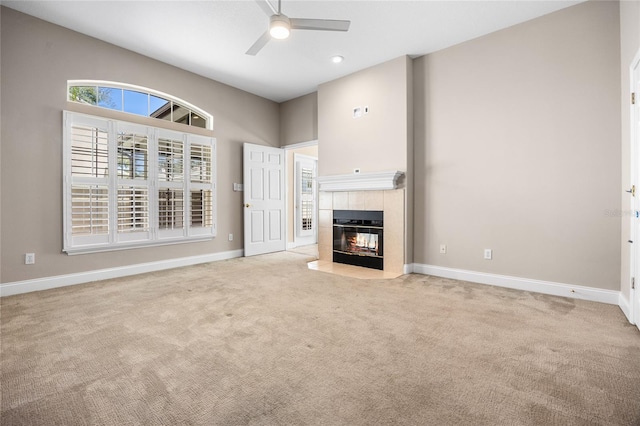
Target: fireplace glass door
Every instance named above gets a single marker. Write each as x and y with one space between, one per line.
358 238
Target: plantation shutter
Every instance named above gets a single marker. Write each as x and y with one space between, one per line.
129 185
201 186
171 184
86 174
133 183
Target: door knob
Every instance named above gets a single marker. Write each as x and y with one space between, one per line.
247 205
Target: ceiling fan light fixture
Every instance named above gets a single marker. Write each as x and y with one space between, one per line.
280 27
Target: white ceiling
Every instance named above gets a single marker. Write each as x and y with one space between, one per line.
211 37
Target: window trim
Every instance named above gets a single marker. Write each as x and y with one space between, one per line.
125 86
154 236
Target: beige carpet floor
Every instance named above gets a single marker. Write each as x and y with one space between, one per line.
265 341
309 250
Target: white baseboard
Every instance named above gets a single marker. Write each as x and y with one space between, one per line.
407 268
546 287
625 306
19 287
291 246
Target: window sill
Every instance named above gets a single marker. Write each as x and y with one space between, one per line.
128 246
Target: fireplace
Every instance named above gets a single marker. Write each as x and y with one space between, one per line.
358 238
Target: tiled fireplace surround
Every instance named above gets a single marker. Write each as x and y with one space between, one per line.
390 201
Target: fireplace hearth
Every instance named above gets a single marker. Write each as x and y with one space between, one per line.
358 238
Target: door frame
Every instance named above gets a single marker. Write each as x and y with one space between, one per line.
288 196
634 120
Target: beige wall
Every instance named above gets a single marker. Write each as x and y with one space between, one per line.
378 140
409 173
299 120
516 149
37 60
629 46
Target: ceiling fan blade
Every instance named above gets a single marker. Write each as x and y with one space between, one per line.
319 24
267 7
259 44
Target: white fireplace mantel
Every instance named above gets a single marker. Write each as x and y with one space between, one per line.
360 181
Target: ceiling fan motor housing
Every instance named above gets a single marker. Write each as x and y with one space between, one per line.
279 26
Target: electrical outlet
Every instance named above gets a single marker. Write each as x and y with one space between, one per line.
488 254
443 249
230 237
29 258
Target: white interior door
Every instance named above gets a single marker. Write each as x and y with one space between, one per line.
264 199
635 170
305 200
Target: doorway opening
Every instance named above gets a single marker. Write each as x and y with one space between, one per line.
280 199
302 198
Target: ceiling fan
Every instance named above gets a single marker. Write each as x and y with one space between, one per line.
280 25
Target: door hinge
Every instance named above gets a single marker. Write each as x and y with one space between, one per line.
632 190
633 98
633 283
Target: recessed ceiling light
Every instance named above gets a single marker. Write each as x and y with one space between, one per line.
337 59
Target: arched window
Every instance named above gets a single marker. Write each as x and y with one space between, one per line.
137 100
